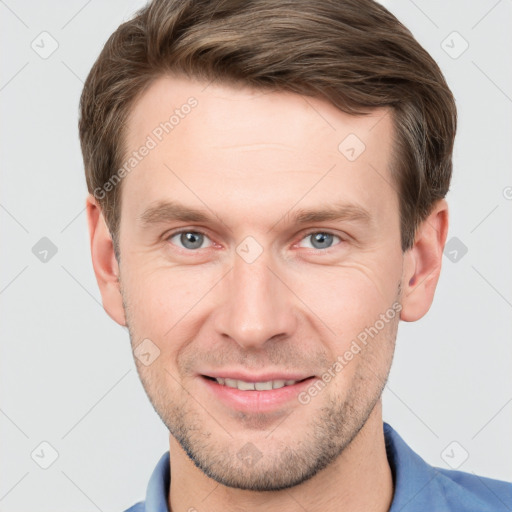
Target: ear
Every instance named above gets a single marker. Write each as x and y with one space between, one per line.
104 262
422 264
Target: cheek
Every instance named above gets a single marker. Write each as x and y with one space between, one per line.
163 302
161 295
346 299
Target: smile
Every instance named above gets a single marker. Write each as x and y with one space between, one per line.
255 386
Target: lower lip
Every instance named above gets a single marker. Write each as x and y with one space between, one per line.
256 401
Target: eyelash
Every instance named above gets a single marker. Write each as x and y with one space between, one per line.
309 233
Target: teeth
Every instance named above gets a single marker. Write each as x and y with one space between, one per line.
263 386
245 386
258 386
276 384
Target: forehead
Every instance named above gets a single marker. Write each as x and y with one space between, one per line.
247 114
229 143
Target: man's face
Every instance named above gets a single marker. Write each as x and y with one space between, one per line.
248 289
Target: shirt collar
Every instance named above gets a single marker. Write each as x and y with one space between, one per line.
412 476
158 486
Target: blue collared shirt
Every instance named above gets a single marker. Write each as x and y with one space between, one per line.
419 487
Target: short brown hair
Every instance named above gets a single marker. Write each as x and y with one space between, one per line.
354 53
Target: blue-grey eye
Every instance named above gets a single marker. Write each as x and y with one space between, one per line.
321 239
189 239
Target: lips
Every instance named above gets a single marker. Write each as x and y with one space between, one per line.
255 395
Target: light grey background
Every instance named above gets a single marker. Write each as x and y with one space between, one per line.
67 374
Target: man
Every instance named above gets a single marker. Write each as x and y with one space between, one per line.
267 184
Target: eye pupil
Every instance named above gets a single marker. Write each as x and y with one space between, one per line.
321 240
191 240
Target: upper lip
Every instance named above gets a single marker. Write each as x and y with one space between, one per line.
263 377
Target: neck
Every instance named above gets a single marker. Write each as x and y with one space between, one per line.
360 479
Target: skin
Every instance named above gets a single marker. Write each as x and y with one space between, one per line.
251 159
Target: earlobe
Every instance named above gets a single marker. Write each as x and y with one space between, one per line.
104 261
422 264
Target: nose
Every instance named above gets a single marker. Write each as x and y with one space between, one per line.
257 306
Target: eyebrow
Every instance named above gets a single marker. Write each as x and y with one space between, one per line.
338 211
165 211
168 211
